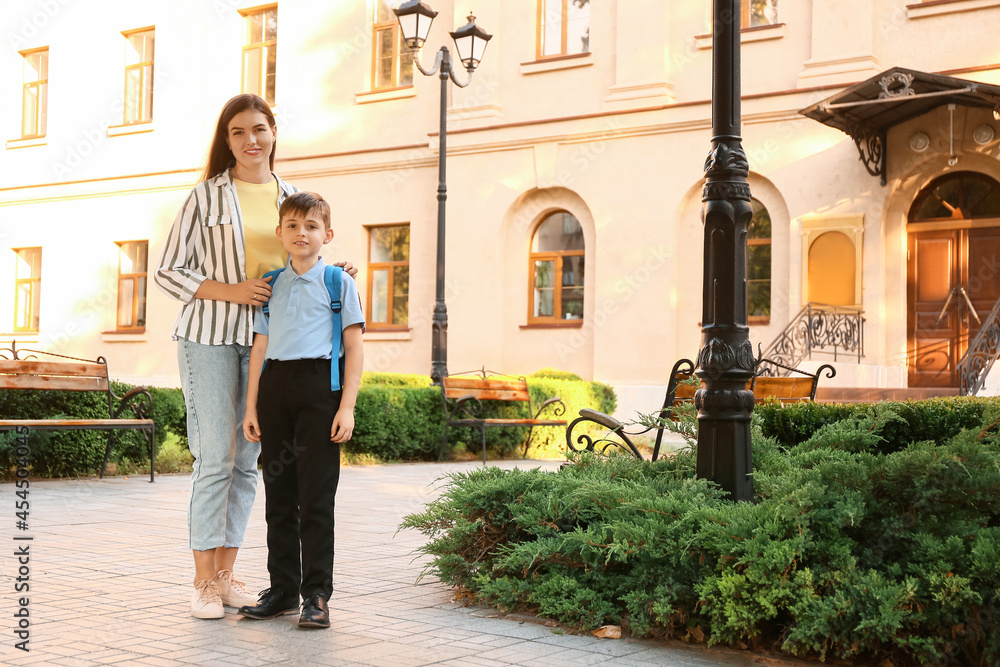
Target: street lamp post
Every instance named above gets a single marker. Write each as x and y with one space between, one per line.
726 359
415 19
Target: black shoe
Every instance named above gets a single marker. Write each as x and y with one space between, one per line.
315 613
272 603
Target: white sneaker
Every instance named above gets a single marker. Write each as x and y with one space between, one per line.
206 602
233 592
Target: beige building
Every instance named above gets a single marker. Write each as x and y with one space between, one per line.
575 166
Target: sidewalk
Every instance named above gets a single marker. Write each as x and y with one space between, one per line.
110 585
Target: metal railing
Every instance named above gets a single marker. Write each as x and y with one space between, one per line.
979 357
818 327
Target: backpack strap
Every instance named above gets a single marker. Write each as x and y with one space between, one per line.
332 277
274 275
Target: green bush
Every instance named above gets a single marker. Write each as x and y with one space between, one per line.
395 423
555 374
934 419
167 410
395 380
69 453
55 453
401 417
854 549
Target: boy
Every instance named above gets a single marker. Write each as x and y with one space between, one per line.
299 420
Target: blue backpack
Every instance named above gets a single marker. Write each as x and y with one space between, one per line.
332 279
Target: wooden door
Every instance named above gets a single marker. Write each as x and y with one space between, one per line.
982 276
933 276
953 280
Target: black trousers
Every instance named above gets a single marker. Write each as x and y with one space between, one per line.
301 467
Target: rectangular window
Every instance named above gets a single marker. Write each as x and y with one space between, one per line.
392 60
260 37
138 76
132 259
758 12
35 96
557 288
759 264
389 277
563 28
27 293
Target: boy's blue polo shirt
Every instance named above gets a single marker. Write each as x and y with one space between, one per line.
301 325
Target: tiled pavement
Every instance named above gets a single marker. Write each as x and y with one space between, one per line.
110 585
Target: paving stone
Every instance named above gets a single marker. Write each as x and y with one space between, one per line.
111 585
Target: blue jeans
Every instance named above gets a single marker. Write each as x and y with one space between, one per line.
224 479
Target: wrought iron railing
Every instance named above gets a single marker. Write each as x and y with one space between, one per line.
836 330
979 357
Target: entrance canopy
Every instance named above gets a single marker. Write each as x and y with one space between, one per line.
867 110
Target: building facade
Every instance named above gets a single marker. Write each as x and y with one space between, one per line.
575 165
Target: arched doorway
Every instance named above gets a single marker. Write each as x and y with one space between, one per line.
952 273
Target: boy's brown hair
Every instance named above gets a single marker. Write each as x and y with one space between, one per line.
303 203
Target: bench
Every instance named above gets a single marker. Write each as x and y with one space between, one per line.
765 384
60 373
463 394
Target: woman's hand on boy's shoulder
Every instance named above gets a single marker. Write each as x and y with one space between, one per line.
349 268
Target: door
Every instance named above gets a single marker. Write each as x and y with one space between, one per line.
933 278
953 280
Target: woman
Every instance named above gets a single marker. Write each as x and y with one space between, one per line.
222 239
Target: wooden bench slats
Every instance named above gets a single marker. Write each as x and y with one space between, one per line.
76 424
53 382
70 368
489 394
479 383
785 389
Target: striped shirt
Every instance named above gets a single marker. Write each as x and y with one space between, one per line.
207 242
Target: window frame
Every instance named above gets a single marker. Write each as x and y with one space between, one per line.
146 80
397 53
769 241
745 17
545 256
35 300
40 121
388 267
133 276
563 37
261 47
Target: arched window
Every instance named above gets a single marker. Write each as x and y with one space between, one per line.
759 263
960 196
556 261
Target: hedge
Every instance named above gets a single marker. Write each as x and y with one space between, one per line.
399 417
852 550
69 453
932 419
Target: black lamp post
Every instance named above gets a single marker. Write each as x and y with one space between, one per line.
726 360
415 20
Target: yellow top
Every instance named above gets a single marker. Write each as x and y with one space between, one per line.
259 206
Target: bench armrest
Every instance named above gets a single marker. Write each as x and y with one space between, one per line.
558 411
468 405
605 442
141 406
